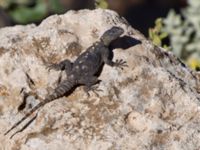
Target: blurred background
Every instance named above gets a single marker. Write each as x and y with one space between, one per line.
174 25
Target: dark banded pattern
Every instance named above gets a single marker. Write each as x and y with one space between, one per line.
60 91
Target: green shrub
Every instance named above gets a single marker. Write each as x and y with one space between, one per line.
23 13
184 33
101 4
157 35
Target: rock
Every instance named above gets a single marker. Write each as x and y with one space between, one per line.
151 104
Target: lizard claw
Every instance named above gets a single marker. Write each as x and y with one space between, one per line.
94 89
52 66
121 63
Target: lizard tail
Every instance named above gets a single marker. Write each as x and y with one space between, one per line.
60 91
26 116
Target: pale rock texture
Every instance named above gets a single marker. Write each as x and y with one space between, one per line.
153 104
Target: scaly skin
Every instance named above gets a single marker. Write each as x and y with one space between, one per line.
83 71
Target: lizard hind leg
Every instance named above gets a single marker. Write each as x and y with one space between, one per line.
89 84
63 65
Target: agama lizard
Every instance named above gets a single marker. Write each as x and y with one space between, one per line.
84 69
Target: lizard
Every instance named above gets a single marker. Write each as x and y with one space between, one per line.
83 70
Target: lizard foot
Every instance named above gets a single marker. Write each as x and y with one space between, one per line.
94 89
121 63
53 66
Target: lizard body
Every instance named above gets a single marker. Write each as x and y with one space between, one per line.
83 70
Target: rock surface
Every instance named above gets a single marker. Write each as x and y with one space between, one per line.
151 104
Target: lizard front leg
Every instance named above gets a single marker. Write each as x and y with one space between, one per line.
118 63
63 65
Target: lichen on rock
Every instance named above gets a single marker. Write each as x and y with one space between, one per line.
151 104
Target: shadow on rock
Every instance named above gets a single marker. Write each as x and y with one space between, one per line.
124 42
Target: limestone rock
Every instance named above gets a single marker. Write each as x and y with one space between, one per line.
151 104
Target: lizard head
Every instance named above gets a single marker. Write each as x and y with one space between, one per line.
111 35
